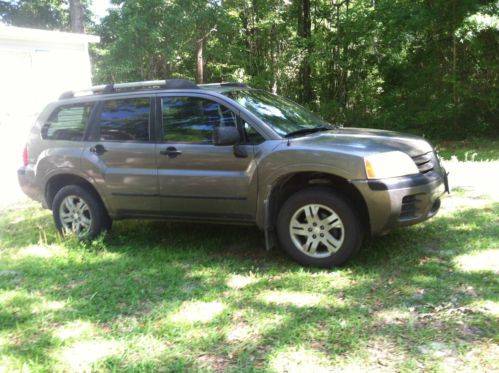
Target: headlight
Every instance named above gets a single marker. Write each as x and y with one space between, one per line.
390 164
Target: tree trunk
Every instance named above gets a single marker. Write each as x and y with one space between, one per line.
77 16
454 73
345 42
306 70
199 61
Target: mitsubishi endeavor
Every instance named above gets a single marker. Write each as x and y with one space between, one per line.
226 153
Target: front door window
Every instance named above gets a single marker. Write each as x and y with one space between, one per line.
192 119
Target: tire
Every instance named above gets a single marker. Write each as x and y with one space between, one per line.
336 235
78 211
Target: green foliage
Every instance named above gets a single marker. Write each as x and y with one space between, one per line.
41 14
443 85
145 39
428 67
425 67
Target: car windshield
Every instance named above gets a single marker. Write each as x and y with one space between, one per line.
286 117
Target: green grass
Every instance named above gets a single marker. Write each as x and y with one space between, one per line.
155 296
469 150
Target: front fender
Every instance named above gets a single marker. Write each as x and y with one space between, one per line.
281 164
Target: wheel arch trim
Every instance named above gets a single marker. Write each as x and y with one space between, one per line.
74 174
266 215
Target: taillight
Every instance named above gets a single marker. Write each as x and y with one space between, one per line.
25 155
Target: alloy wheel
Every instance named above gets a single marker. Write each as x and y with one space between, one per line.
316 230
75 215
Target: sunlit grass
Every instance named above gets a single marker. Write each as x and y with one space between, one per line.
74 330
469 150
198 312
82 355
155 296
239 281
487 260
297 360
297 299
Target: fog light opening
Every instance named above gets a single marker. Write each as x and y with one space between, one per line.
436 206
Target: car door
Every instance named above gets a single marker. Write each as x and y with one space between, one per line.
121 155
197 179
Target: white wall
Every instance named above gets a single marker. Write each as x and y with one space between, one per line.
36 66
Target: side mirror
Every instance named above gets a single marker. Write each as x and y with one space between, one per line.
225 136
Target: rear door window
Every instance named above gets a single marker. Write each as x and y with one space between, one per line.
67 122
125 120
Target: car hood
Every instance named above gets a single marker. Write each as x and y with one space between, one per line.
365 141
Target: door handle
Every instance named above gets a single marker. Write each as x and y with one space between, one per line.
171 152
98 149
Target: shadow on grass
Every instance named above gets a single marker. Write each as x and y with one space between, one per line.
136 279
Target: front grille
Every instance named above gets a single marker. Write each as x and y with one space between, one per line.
425 162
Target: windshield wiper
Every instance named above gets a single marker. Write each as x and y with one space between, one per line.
306 131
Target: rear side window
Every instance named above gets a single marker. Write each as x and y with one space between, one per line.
125 120
67 122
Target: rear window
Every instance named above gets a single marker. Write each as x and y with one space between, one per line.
67 122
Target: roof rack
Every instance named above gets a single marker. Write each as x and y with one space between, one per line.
225 84
113 87
234 84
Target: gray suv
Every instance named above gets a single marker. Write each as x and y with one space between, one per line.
230 154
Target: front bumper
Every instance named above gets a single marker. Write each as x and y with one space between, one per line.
402 201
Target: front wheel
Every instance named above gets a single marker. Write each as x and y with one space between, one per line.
318 227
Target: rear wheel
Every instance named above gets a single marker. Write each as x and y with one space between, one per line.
317 227
79 212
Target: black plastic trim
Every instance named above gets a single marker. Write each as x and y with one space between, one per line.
404 182
134 195
66 95
187 217
234 84
207 197
108 89
92 130
179 84
152 119
118 194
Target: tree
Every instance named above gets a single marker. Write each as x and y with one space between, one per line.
168 39
200 59
63 15
305 31
430 67
77 16
43 14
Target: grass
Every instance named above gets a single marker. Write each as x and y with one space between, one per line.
469 150
155 296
